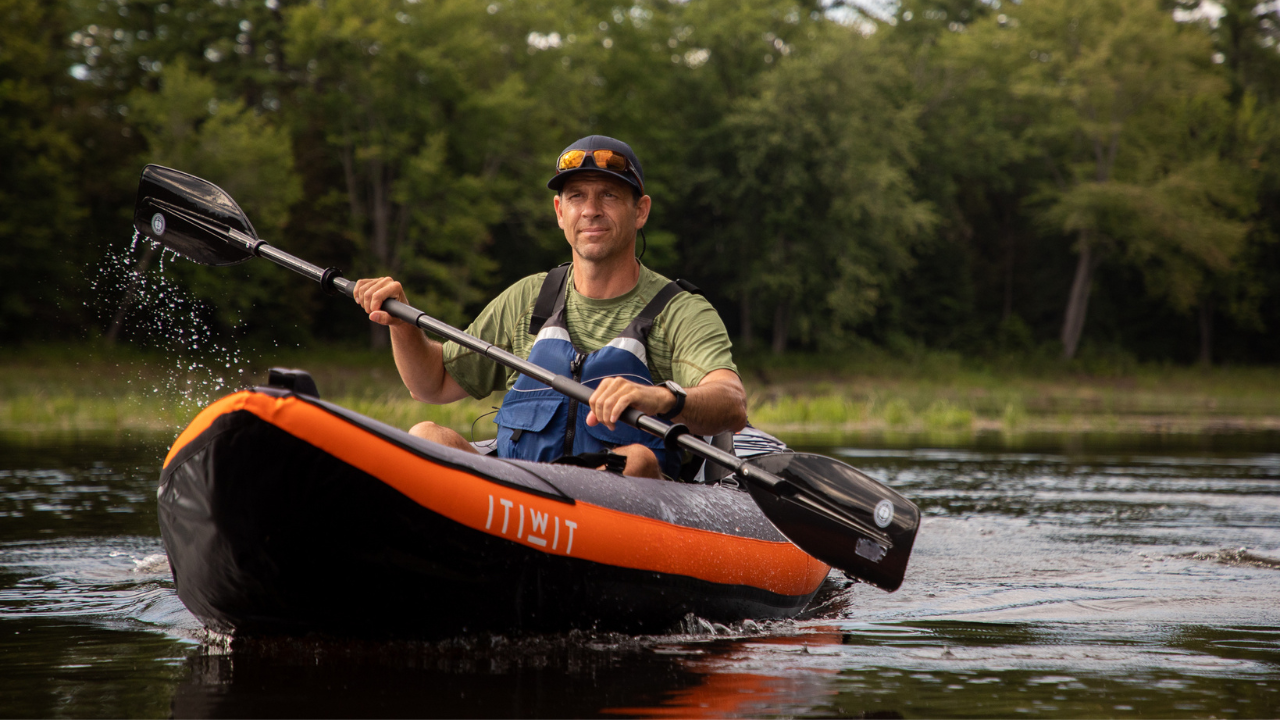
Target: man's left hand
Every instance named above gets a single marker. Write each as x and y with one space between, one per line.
615 394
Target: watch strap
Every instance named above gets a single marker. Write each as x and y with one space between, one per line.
680 394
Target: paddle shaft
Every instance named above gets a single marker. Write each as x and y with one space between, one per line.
671 434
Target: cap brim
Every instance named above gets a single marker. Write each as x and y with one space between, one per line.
557 181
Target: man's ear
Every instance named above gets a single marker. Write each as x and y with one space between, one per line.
642 211
559 214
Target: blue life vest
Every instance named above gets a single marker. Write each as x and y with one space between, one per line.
539 424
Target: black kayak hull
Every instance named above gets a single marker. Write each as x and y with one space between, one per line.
275 524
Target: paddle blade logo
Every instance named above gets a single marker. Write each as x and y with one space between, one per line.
872 551
157 224
884 513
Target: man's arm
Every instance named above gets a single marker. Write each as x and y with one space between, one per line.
419 359
721 404
717 404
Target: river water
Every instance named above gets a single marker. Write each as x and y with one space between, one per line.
1069 577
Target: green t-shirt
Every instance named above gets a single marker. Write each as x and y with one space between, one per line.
687 341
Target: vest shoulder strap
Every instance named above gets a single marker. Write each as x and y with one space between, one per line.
552 289
643 323
664 298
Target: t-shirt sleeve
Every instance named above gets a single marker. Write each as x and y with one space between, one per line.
497 324
696 336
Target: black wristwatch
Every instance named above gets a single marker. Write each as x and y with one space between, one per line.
680 398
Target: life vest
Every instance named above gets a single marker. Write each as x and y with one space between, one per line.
539 424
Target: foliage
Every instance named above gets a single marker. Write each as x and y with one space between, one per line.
433 130
967 175
827 214
38 195
1112 91
186 125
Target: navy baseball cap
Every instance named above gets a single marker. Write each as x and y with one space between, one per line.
598 153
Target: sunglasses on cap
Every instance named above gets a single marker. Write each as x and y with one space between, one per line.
604 159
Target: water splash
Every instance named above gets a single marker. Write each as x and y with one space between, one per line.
148 308
1236 556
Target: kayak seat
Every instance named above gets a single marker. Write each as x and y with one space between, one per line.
748 443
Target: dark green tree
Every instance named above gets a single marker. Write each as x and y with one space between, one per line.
1099 79
433 129
39 199
186 125
827 215
1246 36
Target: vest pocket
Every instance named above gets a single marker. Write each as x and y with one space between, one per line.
521 422
531 413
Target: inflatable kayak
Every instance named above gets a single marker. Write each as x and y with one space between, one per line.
285 514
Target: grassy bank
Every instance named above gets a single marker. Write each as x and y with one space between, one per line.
96 389
92 389
946 394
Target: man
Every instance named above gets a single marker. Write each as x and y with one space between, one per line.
638 338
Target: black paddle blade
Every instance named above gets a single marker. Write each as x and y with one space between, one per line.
190 216
841 516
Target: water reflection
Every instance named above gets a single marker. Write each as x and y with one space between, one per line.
1050 584
72 486
558 677
73 668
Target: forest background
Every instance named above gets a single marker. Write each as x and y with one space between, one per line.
1046 180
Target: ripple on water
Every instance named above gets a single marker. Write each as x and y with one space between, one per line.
120 581
1040 585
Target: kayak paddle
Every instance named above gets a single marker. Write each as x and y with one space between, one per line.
830 510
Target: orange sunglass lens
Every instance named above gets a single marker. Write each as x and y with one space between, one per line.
609 159
570 160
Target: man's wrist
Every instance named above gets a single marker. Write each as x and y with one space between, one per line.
669 405
678 397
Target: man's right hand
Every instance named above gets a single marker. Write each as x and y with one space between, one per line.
419 359
370 293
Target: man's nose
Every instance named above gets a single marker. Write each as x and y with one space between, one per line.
591 206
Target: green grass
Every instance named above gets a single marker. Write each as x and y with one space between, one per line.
91 388
94 388
942 394
1035 387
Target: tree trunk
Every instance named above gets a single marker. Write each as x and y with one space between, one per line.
117 323
1078 301
1206 332
1011 246
781 327
1007 311
380 210
353 185
748 339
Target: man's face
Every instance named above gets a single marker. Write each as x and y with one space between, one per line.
600 216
